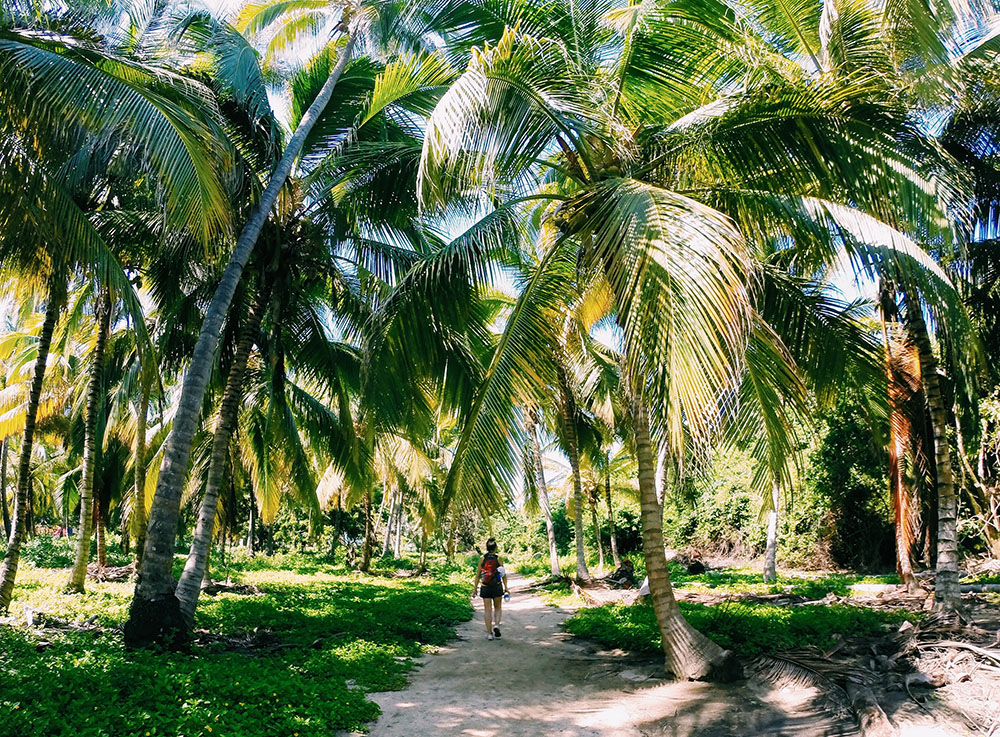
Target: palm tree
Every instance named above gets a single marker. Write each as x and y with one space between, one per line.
661 210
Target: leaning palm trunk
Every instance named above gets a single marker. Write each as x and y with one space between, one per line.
568 408
101 533
155 613
8 569
189 586
3 489
78 575
139 501
611 518
366 546
771 550
689 654
543 496
947 593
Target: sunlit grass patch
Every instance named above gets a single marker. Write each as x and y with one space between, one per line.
324 636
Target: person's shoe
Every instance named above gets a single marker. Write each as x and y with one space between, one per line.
496 632
489 637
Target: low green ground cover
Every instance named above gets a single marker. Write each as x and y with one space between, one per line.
349 633
747 629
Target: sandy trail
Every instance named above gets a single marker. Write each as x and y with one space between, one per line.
538 681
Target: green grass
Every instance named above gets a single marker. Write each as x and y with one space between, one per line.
747 629
351 634
747 581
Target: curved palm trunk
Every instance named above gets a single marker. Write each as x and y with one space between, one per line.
947 593
155 614
611 518
139 505
3 489
88 499
771 551
196 567
568 409
688 653
8 569
543 496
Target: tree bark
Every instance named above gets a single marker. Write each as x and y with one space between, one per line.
568 409
591 498
366 545
452 537
397 545
149 621
252 531
101 533
611 517
8 569
543 495
3 489
189 586
771 551
78 575
390 522
139 505
947 594
688 653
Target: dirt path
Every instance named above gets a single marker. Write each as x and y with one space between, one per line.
539 682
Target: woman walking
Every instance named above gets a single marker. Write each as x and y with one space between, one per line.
491 580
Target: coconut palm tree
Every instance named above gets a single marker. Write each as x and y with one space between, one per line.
663 210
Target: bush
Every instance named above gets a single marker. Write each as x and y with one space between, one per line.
746 629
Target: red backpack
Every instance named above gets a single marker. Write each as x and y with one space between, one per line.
489 569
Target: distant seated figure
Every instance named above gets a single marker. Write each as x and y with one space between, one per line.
624 576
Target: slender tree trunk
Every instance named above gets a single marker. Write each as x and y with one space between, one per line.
366 546
568 408
611 517
688 653
101 532
338 527
390 522
3 489
189 586
771 551
423 550
139 505
8 569
597 530
947 593
543 495
88 478
452 537
397 545
252 531
155 614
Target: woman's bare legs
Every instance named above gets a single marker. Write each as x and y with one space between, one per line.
498 607
488 612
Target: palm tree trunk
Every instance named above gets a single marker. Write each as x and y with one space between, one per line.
597 531
688 653
366 546
101 532
543 495
947 593
252 527
3 489
155 614
397 545
390 522
423 551
8 569
189 586
568 408
771 550
139 504
611 517
452 537
78 575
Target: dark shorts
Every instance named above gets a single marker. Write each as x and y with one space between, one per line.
491 591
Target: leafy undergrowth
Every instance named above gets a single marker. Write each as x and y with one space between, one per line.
747 629
747 581
350 634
